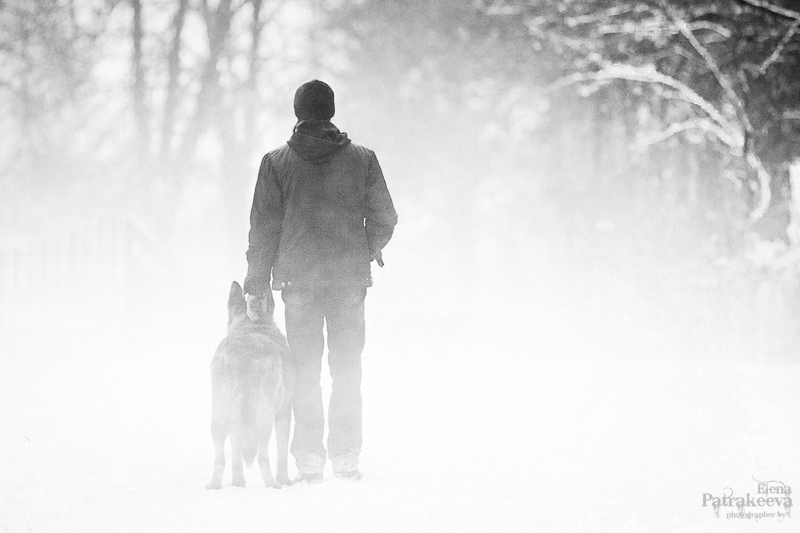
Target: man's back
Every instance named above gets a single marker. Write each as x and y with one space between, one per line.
328 191
334 208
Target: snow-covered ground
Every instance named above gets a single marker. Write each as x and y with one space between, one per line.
468 431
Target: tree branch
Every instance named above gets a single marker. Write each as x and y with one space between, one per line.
728 132
764 180
679 127
779 49
778 10
711 63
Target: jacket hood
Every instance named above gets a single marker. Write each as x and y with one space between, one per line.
317 140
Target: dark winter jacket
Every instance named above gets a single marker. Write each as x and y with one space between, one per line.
321 212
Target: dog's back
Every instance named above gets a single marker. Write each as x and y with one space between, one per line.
252 381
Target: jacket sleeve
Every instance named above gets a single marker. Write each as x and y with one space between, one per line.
380 216
266 219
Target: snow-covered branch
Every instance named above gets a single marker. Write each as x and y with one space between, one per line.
702 124
602 15
779 48
711 63
656 28
764 180
728 132
778 10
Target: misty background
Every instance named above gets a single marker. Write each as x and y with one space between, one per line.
592 176
589 313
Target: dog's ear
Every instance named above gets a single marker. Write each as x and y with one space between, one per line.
236 295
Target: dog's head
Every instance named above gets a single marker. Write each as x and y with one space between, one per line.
237 309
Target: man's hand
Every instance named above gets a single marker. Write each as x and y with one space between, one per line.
256 310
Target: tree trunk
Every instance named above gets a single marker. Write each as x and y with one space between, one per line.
238 147
139 86
251 97
173 72
218 26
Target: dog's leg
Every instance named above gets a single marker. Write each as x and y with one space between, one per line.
282 427
263 450
219 432
237 464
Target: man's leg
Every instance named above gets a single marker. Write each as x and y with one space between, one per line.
344 312
304 320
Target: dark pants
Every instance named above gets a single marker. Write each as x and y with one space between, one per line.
341 309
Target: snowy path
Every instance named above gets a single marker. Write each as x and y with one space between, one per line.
463 438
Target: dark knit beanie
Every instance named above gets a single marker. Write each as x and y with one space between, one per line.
314 101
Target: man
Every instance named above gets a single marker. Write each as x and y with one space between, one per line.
321 213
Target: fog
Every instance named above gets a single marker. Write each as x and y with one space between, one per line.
588 315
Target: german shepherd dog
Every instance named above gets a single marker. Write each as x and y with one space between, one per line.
252 380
